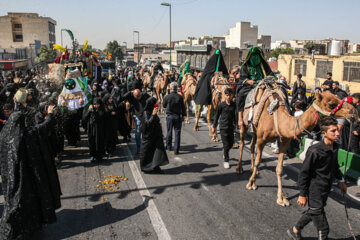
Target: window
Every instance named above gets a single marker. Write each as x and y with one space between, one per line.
18 38
204 61
323 67
352 71
300 67
17 25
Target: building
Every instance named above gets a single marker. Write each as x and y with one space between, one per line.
345 69
19 30
22 34
280 44
264 41
243 35
200 50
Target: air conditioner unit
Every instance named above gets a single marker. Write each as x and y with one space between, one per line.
344 87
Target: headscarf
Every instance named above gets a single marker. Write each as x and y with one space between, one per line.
253 61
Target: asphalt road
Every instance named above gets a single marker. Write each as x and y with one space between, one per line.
194 198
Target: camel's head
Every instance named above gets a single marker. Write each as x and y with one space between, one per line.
338 108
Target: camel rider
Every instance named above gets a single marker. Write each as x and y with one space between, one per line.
184 69
157 68
254 69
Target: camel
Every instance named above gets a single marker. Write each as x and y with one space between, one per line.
160 87
145 76
218 84
285 128
188 85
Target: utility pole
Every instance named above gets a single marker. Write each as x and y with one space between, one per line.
169 5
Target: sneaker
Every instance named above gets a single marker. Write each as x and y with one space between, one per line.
92 159
226 165
293 235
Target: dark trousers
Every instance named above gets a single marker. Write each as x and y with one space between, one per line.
354 144
227 138
241 98
316 214
173 122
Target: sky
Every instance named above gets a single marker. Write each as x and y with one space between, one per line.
101 21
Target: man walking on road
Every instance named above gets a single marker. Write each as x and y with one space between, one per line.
319 168
175 113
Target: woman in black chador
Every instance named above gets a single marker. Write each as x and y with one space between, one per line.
153 154
110 124
94 116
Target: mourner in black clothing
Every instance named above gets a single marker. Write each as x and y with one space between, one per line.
338 91
111 136
327 85
355 138
226 113
153 153
299 98
156 70
138 101
299 84
94 116
175 113
30 182
319 169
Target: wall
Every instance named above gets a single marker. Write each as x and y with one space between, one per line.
286 66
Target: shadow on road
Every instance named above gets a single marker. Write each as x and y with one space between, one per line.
73 222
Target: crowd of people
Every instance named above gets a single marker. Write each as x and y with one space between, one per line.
32 118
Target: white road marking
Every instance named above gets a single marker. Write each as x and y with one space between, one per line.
178 159
204 187
155 218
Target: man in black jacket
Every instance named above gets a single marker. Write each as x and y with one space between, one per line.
338 91
355 138
319 168
175 113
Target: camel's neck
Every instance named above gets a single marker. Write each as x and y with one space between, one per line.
307 120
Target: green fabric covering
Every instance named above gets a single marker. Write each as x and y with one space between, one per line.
253 62
70 84
218 60
81 84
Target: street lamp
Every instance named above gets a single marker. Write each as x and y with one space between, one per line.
138 33
61 36
168 5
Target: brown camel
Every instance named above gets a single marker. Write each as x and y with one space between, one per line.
285 129
218 84
160 87
188 85
145 76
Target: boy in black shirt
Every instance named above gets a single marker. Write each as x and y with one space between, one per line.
319 168
226 113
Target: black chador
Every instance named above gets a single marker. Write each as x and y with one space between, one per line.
95 118
153 153
110 123
29 178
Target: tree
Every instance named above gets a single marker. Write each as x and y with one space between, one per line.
277 51
115 49
45 55
309 46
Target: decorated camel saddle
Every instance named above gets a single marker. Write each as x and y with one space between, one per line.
257 97
74 92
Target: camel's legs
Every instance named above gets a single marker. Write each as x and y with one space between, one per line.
243 131
252 150
260 147
187 112
281 199
196 127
